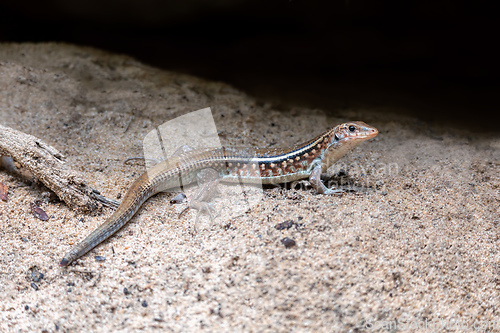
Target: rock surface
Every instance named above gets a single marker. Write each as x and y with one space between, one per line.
417 242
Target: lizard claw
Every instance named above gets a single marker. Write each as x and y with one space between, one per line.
336 192
202 207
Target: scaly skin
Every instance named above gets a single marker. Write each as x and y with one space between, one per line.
266 166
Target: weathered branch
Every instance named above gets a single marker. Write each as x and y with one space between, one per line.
46 164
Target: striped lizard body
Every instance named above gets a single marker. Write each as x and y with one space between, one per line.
234 165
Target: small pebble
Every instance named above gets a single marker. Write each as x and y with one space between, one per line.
284 225
125 291
288 242
179 198
99 258
34 286
36 276
26 307
144 304
38 212
4 190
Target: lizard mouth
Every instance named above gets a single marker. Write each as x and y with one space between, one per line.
371 134
367 132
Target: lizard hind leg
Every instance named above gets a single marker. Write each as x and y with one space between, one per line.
208 181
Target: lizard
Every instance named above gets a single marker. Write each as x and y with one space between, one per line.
234 165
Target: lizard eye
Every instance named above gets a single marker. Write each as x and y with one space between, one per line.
352 128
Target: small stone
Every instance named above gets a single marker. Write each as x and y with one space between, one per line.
288 242
179 198
99 258
38 212
284 225
4 190
36 276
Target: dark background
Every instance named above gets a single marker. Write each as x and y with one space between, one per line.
436 59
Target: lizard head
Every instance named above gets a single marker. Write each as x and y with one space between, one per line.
344 138
354 131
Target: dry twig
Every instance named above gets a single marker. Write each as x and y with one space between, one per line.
46 164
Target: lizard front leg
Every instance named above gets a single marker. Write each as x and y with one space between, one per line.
315 180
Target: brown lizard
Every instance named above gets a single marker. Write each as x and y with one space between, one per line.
266 166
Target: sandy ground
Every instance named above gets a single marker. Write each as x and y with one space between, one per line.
416 245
